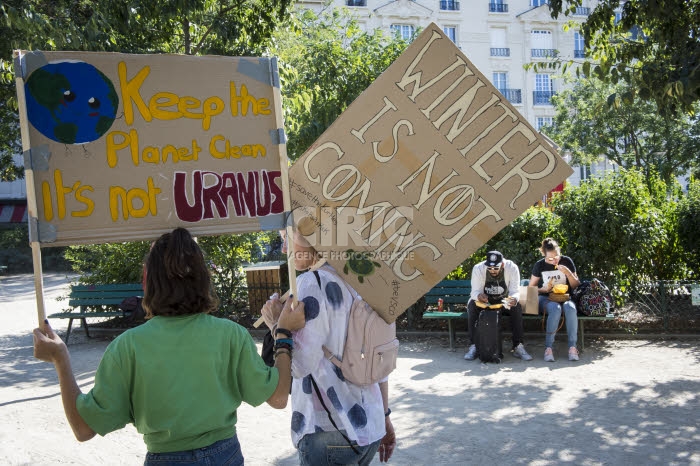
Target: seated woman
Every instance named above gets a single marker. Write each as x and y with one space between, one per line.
180 377
360 424
555 269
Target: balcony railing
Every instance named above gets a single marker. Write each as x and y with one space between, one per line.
579 54
449 5
544 53
498 7
582 11
514 96
543 97
500 52
356 2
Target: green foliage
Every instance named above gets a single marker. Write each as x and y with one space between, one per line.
326 62
689 227
108 263
616 229
518 242
596 120
123 263
655 47
227 255
16 253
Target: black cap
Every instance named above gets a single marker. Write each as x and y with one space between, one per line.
493 258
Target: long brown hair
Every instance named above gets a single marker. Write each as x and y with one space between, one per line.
177 279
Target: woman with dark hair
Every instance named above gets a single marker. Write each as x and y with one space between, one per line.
180 377
555 269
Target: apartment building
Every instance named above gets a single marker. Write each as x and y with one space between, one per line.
498 37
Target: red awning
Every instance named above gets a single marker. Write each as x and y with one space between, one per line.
13 213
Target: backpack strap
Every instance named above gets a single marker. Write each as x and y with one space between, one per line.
330 418
330 356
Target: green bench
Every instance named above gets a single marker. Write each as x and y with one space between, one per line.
90 301
457 292
452 292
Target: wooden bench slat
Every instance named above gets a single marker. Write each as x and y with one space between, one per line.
82 315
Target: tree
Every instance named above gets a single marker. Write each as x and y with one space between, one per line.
689 226
596 119
654 45
201 27
326 62
617 229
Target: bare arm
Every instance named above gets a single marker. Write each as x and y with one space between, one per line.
388 443
290 319
50 348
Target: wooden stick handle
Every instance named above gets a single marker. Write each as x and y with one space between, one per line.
260 321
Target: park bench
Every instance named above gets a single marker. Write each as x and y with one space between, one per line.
452 292
457 292
91 301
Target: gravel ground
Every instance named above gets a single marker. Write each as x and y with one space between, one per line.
625 402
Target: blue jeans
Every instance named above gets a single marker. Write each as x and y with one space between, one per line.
330 448
223 452
553 311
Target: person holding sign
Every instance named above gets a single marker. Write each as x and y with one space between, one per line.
180 377
496 281
552 271
351 422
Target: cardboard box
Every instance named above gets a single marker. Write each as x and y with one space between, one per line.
529 300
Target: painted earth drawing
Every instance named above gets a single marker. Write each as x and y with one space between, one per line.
71 102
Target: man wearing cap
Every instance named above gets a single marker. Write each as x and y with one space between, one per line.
494 281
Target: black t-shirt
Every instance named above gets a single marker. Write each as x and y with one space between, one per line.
495 287
544 270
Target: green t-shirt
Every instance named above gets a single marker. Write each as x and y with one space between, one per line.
179 380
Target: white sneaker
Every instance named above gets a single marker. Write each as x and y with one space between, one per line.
519 352
470 355
573 354
548 355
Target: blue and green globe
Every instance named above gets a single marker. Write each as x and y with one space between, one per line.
71 102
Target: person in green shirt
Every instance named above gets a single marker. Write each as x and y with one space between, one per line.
180 377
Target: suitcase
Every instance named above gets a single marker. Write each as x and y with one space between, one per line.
489 344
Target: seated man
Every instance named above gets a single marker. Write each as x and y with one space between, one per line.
500 283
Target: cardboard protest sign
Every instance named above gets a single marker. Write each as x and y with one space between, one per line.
420 171
127 147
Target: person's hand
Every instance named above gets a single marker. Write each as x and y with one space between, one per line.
483 298
271 310
292 318
565 270
512 302
388 443
47 345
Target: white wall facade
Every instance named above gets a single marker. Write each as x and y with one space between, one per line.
497 36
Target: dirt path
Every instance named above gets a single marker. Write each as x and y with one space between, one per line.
626 402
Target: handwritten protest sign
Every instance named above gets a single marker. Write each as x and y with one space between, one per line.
422 169
127 147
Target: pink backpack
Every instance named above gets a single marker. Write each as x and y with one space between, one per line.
371 347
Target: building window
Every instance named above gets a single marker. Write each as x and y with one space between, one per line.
585 172
618 16
356 2
451 32
499 45
498 6
449 5
542 44
404 31
539 2
500 81
579 44
544 121
544 90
